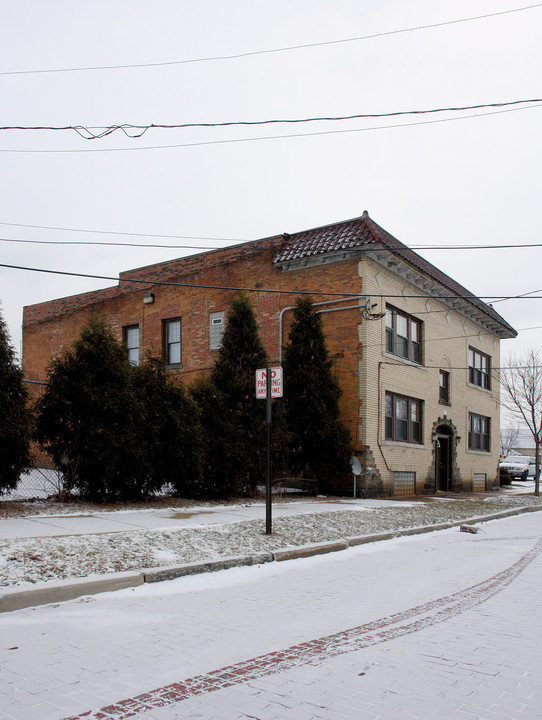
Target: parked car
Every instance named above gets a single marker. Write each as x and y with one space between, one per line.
520 467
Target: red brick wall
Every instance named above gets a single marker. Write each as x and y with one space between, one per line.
50 327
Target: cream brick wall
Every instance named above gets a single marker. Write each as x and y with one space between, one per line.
447 336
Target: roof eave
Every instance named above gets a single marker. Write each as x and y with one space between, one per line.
432 288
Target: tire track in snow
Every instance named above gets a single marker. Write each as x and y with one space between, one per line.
318 650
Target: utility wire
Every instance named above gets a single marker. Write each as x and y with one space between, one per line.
269 51
214 247
473 247
116 232
151 281
112 244
139 130
277 137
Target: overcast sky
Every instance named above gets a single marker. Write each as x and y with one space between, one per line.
462 181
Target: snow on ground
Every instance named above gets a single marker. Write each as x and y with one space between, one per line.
30 560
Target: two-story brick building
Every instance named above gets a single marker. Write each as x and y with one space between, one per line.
415 351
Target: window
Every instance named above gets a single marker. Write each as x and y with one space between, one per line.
479 482
403 419
403 335
172 342
444 387
131 341
216 330
478 432
479 369
404 483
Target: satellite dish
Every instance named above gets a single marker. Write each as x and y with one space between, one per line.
355 465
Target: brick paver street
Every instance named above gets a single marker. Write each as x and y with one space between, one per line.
444 625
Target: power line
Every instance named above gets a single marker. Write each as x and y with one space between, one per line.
269 51
150 282
116 232
110 244
523 295
276 137
533 327
277 291
440 367
473 247
211 247
139 130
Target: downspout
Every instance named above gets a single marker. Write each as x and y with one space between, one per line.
367 299
379 417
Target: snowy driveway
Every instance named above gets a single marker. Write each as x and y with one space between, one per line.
431 626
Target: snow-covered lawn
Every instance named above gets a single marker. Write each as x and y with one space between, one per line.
30 560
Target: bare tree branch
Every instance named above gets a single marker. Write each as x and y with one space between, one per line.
521 382
509 440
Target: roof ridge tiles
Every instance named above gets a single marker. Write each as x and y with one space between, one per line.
363 231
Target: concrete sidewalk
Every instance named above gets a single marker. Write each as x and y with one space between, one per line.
16 598
436 626
57 525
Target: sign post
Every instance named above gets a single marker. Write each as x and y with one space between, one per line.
356 470
268 417
268 385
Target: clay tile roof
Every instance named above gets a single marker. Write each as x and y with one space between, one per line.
362 231
331 238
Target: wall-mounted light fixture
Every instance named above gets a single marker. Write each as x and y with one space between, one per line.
148 298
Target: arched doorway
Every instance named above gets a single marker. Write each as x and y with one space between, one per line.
443 458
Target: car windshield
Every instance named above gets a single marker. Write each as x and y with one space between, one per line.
517 459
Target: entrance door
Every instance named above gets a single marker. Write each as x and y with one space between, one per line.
443 461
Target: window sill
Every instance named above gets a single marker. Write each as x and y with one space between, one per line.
404 361
485 453
173 366
397 443
478 387
445 402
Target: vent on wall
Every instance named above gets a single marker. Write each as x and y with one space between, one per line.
216 330
404 483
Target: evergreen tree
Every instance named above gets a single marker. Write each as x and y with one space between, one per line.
169 433
233 376
15 416
320 445
222 474
88 416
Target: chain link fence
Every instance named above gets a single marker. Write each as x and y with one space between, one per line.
37 483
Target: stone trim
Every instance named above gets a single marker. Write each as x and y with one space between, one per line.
456 481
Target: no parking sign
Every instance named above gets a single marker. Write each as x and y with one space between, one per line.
276 382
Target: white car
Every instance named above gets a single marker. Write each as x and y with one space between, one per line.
520 467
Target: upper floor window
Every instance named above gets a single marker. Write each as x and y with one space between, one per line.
479 369
403 419
131 341
172 341
216 330
403 335
478 432
444 386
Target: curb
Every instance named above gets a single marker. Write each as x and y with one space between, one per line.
153 575
61 590
310 550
